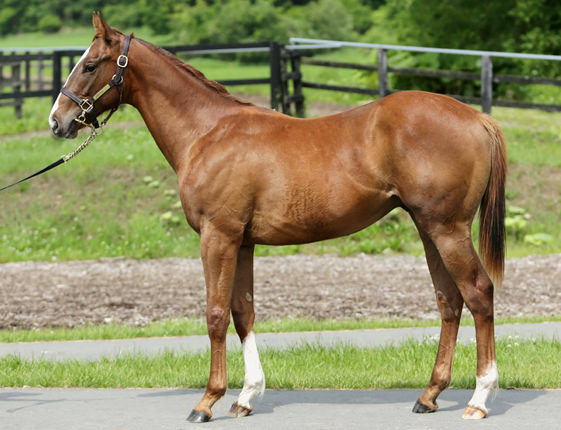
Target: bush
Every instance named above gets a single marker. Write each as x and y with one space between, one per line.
122 16
329 19
8 20
49 24
233 21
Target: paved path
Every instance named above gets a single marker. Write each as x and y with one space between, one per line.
59 409
144 409
93 350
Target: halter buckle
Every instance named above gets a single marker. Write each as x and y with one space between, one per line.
123 61
86 106
115 81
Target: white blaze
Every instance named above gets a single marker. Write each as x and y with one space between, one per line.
55 105
254 381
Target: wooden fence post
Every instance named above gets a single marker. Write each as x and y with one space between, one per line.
486 83
27 72
16 82
40 73
284 83
275 67
57 74
295 58
382 72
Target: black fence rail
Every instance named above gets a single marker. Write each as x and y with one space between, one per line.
382 68
22 75
26 75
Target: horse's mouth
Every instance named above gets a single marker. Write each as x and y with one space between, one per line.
69 133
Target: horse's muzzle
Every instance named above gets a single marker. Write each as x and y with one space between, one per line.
68 132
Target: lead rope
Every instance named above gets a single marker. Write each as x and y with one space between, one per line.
62 159
94 133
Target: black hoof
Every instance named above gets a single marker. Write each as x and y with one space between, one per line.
238 411
198 417
421 408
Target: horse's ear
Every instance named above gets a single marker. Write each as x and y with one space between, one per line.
102 29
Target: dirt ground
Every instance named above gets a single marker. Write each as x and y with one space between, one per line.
135 292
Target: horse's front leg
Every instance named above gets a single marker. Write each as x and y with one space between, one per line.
219 252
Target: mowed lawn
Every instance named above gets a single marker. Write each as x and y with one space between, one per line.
522 364
119 197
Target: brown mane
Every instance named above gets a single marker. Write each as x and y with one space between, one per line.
195 73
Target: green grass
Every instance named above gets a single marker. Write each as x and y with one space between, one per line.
104 204
522 364
190 327
107 206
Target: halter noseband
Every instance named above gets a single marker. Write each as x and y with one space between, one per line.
87 105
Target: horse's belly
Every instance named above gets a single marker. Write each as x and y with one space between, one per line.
311 218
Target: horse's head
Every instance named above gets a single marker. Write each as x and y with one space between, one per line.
95 83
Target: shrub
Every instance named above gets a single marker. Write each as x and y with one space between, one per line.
8 20
49 24
122 16
329 19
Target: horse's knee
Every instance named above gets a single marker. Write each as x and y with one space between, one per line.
218 320
450 309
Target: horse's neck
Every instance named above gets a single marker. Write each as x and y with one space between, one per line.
177 107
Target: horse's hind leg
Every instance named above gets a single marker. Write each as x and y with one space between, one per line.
450 304
454 244
243 314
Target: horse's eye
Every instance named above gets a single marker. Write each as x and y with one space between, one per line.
89 68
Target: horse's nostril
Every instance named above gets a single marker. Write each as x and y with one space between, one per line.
54 126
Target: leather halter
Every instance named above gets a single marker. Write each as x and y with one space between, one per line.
87 105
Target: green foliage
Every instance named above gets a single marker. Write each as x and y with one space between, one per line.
197 21
506 25
328 19
49 24
122 16
8 20
537 29
233 21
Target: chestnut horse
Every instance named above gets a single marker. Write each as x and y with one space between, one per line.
249 175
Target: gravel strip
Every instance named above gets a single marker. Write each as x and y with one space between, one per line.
136 292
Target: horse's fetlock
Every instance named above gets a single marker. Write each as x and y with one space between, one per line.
443 384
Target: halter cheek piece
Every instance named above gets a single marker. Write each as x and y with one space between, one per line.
87 105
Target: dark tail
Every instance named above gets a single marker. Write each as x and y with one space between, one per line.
492 210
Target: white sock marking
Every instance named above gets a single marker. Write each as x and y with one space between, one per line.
484 386
55 105
254 381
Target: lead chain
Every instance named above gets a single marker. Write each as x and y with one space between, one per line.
80 148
